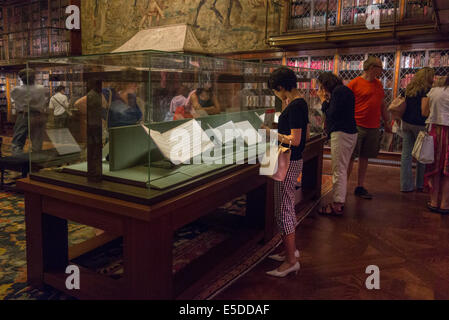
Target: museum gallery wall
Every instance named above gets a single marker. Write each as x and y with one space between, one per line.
221 26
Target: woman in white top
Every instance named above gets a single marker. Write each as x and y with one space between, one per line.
436 107
60 106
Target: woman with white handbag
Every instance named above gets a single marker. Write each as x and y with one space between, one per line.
412 123
292 132
437 173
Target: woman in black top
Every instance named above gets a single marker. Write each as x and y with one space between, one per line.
412 123
292 130
338 106
204 99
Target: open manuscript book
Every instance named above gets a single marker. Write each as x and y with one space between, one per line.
189 140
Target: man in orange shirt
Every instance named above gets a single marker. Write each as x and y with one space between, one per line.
369 107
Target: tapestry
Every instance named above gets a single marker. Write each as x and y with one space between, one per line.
222 26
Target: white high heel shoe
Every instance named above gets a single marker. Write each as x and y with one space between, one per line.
279 258
281 274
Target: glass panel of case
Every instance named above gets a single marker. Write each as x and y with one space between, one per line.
148 119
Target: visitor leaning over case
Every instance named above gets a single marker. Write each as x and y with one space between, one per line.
292 130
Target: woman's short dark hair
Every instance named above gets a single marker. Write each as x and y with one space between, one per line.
329 81
201 90
282 77
60 88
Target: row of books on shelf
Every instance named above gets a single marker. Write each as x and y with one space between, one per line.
300 22
328 64
439 60
419 9
413 61
254 101
361 3
325 65
357 16
33 16
304 7
407 78
298 63
351 65
23 49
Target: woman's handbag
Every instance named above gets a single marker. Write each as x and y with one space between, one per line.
397 108
276 162
423 150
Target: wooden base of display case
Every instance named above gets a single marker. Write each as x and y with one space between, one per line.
147 231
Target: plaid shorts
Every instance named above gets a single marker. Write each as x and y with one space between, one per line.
284 199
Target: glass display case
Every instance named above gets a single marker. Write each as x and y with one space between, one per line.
151 120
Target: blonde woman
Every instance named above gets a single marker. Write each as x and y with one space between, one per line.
437 110
413 122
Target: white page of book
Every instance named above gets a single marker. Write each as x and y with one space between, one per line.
248 133
276 117
226 132
182 143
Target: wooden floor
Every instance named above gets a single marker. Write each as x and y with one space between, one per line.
393 231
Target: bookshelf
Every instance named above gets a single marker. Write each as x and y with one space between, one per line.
419 10
315 64
439 61
3 100
411 62
324 63
8 81
312 14
350 66
354 12
2 30
35 29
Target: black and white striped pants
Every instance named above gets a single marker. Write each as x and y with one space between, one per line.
284 198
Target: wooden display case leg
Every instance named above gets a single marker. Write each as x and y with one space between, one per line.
311 176
148 261
47 242
255 207
34 240
55 243
270 220
319 175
